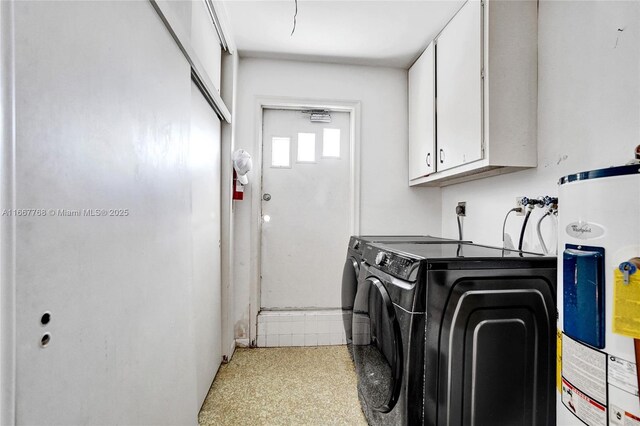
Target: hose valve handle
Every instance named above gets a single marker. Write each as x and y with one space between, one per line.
531 202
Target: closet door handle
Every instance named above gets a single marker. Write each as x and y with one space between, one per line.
429 160
441 156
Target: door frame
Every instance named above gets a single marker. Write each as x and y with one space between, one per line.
262 103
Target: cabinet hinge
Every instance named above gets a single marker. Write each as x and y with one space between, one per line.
482 73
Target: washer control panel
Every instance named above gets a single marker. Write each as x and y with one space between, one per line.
356 244
381 258
392 263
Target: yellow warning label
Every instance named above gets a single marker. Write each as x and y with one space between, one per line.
559 360
626 304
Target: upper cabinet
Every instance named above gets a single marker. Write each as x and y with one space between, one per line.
459 88
485 98
422 115
205 41
197 31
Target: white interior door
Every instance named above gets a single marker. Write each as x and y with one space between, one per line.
306 209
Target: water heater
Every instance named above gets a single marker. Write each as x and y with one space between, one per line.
599 298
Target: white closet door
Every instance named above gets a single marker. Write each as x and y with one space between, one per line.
422 131
205 220
103 119
459 88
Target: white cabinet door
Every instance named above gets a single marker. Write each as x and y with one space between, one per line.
459 88
205 42
422 115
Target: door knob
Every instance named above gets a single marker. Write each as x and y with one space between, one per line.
266 197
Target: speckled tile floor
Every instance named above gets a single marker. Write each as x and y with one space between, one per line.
285 386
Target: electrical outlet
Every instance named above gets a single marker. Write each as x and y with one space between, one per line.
519 204
461 208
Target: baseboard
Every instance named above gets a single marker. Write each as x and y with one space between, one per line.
228 355
242 343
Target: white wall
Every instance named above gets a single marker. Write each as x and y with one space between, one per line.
388 205
588 115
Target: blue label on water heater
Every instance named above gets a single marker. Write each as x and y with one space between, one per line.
583 294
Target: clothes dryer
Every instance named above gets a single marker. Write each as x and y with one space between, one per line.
455 334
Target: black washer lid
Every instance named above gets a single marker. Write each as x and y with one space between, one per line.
631 169
416 251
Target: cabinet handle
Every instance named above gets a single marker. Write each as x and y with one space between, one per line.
441 155
429 160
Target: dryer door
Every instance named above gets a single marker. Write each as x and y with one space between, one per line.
377 346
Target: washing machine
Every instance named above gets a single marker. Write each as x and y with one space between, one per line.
599 298
351 269
455 334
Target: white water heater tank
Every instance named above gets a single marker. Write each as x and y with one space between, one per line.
599 298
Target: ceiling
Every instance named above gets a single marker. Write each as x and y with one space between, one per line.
382 33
